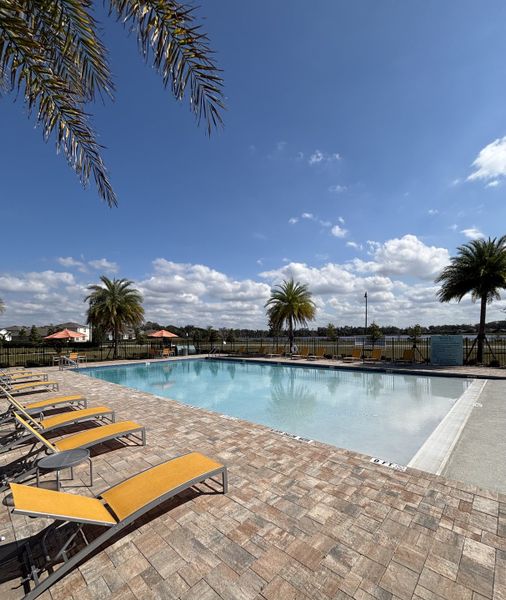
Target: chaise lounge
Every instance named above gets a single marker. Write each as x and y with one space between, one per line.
82 439
21 388
356 355
20 376
45 425
112 511
38 408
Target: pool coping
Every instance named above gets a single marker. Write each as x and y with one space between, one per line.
383 368
434 453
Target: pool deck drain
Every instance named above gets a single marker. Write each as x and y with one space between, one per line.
301 521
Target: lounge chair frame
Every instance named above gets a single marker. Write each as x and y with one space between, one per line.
39 411
112 529
19 436
21 388
28 464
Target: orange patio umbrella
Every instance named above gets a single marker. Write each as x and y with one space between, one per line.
65 334
162 333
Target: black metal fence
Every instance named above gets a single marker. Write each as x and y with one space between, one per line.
392 349
45 355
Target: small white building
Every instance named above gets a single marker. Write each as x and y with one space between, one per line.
84 329
5 335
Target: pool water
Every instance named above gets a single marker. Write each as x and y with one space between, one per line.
380 414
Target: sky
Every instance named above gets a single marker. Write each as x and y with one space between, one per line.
363 143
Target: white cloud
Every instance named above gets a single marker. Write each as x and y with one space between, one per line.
338 231
398 278
102 264
407 256
433 211
490 162
337 189
341 220
473 233
318 157
68 261
453 227
456 182
354 245
307 216
493 183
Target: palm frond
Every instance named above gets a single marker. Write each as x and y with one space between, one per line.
167 35
58 105
68 33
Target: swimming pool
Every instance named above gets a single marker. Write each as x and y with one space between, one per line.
382 414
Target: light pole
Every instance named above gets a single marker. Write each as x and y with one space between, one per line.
365 330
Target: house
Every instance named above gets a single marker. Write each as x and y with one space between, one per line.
13 332
5 335
84 329
128 334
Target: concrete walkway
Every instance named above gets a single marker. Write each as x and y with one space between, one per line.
479 457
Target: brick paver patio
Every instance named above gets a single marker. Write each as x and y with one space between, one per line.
300 520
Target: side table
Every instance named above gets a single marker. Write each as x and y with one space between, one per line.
64 460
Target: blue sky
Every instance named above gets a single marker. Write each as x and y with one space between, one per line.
363 143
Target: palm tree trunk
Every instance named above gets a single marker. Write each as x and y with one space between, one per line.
481 329
115 353
290 332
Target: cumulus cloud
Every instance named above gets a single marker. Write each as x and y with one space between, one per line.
473 233
398 276
307 215
403 256
102 264
490 162
338 231
493 183
293 220
69 261
433 211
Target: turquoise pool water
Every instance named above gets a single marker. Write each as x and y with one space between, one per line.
381 414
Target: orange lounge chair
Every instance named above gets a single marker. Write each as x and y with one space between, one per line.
376 355
82 439
111 511
44 425
356 354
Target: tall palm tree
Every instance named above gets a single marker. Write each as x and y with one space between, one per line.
478 269
113 306
2 306
51 55
290 304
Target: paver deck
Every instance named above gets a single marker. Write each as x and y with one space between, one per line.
300 520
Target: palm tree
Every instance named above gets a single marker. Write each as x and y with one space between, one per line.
478 269
52 56
2 306
114 306
290 304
